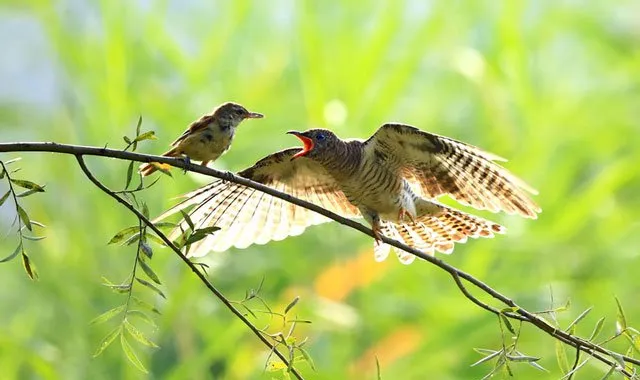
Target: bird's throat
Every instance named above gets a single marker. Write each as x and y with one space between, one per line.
308 146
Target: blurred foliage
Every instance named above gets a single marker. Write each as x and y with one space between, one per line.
552 85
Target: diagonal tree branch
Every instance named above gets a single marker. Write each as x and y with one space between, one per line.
188 262
606 356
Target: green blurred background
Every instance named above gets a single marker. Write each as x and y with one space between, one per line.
552 85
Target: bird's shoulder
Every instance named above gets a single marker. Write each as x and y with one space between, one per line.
279 167
204 122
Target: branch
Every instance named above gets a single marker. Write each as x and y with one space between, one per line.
191 265
458 275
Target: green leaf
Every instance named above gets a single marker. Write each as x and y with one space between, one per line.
378 372
1 172
309 360
129 175
597 329
187 219
13 255
27 185
138 125
133 239
151 135
123 234
578 319
107 340
146 248
522 358
487 358
138 335
165 224
507 323
131 355
4 197
207 230
151 286
149 272
24 217
291 304
107 315
145 210
33 238
156 240
126 139
144 317
27 193
145 305
29 267
561 355
621 320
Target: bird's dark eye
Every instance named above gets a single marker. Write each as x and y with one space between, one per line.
239 111
320 137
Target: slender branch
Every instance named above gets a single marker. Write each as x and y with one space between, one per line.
577 342
188 262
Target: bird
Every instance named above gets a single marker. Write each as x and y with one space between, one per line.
207 138
393 180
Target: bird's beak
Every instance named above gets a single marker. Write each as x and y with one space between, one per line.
254 115
308 144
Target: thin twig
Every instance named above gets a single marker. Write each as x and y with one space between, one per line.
191 265
577 342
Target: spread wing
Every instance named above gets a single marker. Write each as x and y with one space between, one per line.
246 216
437 165
197 125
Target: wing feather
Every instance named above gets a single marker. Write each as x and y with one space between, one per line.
246 216
438 165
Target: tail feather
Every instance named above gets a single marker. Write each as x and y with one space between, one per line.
149 168
438 232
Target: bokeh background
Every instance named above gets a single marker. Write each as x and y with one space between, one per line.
552 85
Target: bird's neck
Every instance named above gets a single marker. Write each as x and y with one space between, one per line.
345 159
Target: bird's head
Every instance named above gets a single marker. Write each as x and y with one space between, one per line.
231 114
317 142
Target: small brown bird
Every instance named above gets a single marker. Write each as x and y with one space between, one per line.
392 180
207 138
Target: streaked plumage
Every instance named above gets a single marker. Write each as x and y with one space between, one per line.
207 138
392 180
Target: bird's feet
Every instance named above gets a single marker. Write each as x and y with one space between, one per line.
187 163
403 213
377 232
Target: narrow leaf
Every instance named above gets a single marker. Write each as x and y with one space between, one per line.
164 224
151 286
149 272
126 139
378 373
597 329
29 267
579 318
145 305
138 335
33 238
187 219
309 360
133 239
131 355
561 355
24 217
107 340
151 135
27 185
522 358
142 316
145 210
291 304
487 358
27 193
156 240
129 175
138 125
507 324
4 197
621 320
13 255
123 234
207 230
107 315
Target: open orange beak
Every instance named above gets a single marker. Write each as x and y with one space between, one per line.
308 144
254 115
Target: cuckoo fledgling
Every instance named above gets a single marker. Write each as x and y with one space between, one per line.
392 180
209 137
